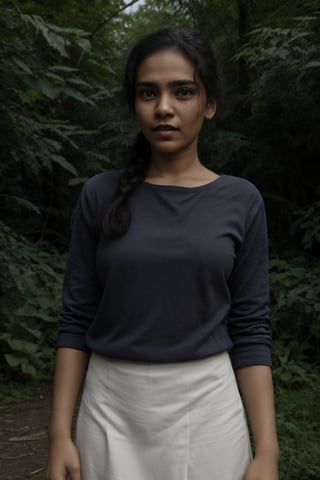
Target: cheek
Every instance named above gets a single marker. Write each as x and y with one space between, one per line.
196 110
139 115
143 121
141 111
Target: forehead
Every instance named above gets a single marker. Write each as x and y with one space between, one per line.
165 66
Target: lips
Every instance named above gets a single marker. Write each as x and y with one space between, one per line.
164 128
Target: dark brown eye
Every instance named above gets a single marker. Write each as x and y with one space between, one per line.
146 93
184 92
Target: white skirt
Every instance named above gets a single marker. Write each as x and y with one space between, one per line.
172 421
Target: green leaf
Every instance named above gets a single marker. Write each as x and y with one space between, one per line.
55 41
22 202
77 181
22 65
313 64
70 92
12 360
84 44
48 89
63 68
44 86
64 164
23 346
56 78
78 81
28 369
33 331
46 268
53 144
299 35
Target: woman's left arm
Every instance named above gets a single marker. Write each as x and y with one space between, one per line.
255 384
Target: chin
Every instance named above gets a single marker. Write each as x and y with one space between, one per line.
166 151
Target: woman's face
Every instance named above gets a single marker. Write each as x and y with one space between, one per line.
170 103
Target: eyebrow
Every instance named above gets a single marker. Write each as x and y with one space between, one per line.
174 83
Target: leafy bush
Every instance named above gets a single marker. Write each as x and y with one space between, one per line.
54 90
295 300
278 118
308 224
30 285
298 431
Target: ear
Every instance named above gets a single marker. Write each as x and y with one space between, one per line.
210 110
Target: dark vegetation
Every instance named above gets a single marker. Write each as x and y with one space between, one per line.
62 121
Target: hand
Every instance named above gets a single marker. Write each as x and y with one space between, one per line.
63 461
262 468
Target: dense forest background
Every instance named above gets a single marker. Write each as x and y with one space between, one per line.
63 120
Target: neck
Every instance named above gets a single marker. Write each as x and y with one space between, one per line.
185 171
175 165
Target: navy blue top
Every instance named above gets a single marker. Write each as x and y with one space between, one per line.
187 281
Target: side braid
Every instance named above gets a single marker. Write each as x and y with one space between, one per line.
118 217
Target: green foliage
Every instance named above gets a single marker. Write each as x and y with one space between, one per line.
54 90
308 223
298 431
11 392
296 290
30 280
295 300
156 14
57 37
278 116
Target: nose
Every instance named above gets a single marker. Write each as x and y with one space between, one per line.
163 107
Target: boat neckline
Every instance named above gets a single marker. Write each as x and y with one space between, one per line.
205 186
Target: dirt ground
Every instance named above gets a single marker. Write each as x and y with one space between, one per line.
23 438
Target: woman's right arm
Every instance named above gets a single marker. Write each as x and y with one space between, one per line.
80 301
63 459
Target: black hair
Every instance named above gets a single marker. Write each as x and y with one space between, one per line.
199 51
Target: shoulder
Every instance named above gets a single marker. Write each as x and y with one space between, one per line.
102 182
240 190
100 188
96 194
240 185
243 201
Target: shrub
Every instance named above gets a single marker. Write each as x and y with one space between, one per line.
30 285
295 300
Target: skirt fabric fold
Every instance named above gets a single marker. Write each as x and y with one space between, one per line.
172 421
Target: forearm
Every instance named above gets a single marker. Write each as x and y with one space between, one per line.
71 366
255 384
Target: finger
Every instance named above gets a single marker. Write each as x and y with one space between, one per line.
75 474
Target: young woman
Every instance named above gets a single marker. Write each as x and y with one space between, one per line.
165 297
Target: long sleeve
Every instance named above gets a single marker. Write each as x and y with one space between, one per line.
81 290
249 316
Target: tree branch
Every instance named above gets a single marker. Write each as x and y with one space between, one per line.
110 17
